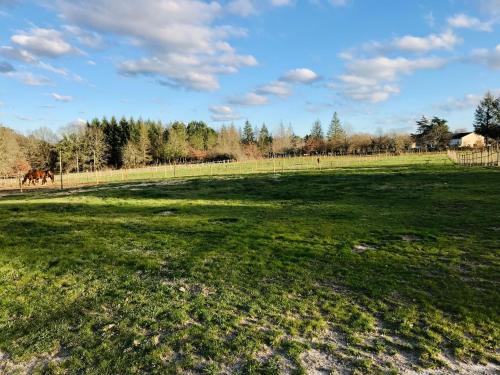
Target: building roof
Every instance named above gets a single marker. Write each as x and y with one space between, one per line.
460 135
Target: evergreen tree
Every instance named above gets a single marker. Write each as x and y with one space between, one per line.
143 143
248 136
433 134
317 131
336 134
487 117
264 141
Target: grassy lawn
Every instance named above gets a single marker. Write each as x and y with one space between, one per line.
382 269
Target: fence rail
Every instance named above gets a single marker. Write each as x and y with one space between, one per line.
274 165
488 158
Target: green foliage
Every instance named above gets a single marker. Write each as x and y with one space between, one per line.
317 131
433 134
487 117
248 136
264 140
337 136
176 146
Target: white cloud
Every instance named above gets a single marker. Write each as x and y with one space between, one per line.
389 69
26 57
87 38
185 70
301 75
223 113
375 79
43 42
183 41
250 99
490 58
447 41
466 102
17 54
372 94
463 21
242 8
30 79
277 88
62 98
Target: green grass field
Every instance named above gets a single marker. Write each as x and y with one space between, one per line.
382 268
278 165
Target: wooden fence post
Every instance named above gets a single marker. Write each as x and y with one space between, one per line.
60 168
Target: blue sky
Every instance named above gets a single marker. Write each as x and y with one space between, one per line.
379 64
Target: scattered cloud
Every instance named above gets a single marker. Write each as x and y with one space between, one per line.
87 38
26 57
445 41
466 102
250 99
62 98
30 79
463 21
242 8
43 42
184 43
283 87
223 113
491 58
6 67
456 104
300 75
277 88
375 79
17 54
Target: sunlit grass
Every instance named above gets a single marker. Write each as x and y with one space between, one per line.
377 269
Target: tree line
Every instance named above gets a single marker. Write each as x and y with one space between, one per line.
129 143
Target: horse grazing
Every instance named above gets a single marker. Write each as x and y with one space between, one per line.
34 175
47 174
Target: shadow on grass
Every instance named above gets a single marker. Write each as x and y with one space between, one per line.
256 240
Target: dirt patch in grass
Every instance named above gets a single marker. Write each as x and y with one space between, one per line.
362 247
411 238
224 220
35 364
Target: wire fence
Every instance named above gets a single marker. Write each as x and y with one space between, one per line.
488 158
230 167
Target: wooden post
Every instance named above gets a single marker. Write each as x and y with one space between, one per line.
274 165
60 169
20 183
95 171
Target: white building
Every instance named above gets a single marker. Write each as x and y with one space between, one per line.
469 139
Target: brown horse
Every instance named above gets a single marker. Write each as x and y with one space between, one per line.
34 175
47 174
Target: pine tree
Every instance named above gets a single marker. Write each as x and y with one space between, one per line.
248 136
264 141
487 117
317 131
336 134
